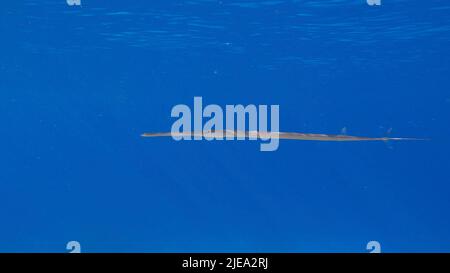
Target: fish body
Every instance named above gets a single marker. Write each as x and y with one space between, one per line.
278 135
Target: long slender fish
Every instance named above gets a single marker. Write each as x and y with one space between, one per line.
279 135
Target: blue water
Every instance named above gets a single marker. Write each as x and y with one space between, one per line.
79 84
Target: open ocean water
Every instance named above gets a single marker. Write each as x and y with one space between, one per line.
79 84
